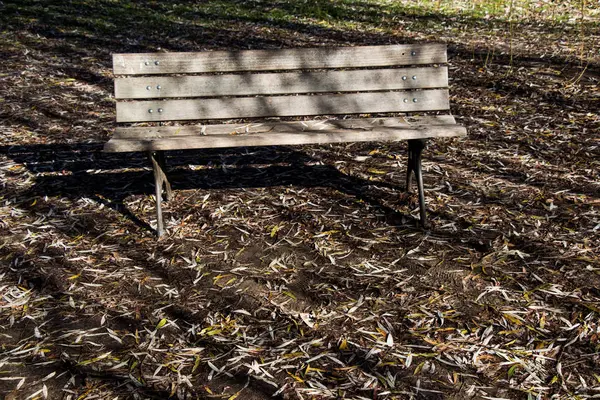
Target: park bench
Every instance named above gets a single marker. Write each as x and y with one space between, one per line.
253 85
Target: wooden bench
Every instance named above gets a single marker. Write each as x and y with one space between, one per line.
154 88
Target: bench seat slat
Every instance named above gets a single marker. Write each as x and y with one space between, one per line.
280 83
268 106
150 132
333 135
286 59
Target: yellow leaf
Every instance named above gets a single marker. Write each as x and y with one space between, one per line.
196 364
377 171
274 230
162 323
344 344
296 378
234 396
513 319
289 294
229 282
419 368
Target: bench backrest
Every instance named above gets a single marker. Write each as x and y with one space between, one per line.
258 83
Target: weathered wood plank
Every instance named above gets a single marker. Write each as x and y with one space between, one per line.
247 107
283 59
381 133
280 83
151 132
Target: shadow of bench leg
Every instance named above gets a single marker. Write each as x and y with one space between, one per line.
163 166
415 149
158 162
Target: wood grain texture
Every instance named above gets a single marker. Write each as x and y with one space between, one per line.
334 135
285 59
248 107
151 132
280 83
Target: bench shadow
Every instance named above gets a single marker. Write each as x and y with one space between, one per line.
78 171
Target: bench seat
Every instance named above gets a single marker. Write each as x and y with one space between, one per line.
282 133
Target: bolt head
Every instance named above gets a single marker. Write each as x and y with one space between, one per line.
150 110
404 78
413 53
415 100
414 77
156 62
160 110
146 63
406 100
158 87
148 87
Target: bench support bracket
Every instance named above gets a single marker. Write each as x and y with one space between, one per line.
160 178
415 149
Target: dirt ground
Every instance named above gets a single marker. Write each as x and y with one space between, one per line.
298 272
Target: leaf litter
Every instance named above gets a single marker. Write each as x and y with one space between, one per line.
297 272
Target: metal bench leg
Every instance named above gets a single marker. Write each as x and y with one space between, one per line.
159 179
415 149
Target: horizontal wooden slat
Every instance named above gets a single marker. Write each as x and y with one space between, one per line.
381 133
223 108
285 59
156 132
280 83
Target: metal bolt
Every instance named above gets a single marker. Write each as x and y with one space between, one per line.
160 110
156 62
150 111
406 100
403 78
415 100
414 77
146 63
157 87
413 53
148 87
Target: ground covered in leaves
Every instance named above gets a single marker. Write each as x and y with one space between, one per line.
298 273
